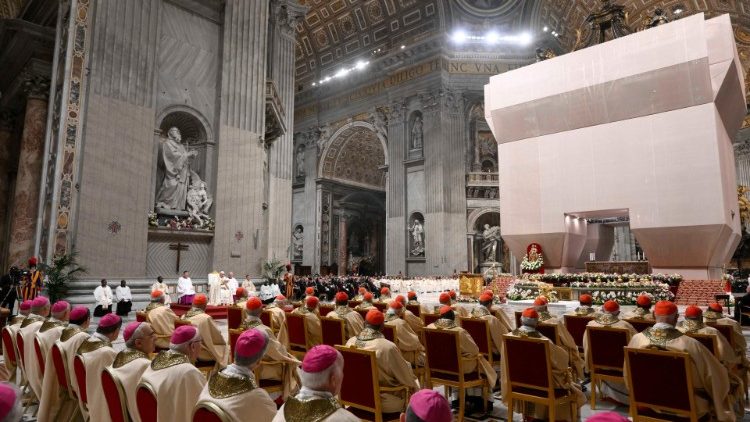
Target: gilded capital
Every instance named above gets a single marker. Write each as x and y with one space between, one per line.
36 86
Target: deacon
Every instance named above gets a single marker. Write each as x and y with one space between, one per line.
282 365
352 320
29 327
566 340
278 318
310 312
408 341
445 300
214 346
124 299
97 353
693 323
322 373
561 376
185 290
174 378
32 284
103 297
497 329
160 285
710 378
642 309
366 303
49 333
71 338
161 318
130 363
393 369
12 328
609 317
585 308
234 389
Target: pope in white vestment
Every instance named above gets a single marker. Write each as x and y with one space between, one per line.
129 364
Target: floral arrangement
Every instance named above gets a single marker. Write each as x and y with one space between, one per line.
629 296
525 291
535 265
180 223
569 279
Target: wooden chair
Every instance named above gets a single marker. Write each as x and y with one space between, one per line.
354 303
389 332
209 412
141 316
297 328
641 324
360 389
479 329
234 317
445 366
517 316
265 318
725 330
20 346
415 309
709 341
550 331
429 318
115 396
80 375
325 309
382 306
576 326
363 312
39 357
234 334
334 331
530 376
271 386
145 398
660 385
606 356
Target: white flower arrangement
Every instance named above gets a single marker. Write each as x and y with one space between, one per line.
532 265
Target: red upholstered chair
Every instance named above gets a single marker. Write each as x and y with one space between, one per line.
19 344
234 334
415 309
141 316
145 398
429 318
334 331
265 318
444 366
10 348
363 312
606 356
517 315
360 389
115 396
479 330
178 309
389 332
530 376
209 412
640 324
39 357
234 317
181 322
354 303
576 326
297 329
709 341
80 375
549 331
382 307
59 364
325 309
660 381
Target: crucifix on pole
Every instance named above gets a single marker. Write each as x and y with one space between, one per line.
179 246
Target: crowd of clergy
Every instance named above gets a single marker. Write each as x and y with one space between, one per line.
187 365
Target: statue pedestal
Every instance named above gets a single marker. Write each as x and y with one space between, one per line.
490 269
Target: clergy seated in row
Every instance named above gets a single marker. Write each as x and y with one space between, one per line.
366 303
642 309
40 309
11 403
240 299
713 393
70 339
234 389
408 341
161 286
310 311
96 353
278 318
280 364
610 317
562 376
360 296
414 300
24 309
393 369
414 321
352 320
161 317
214 347
427 405
498 312
48 335
469 349
130 363
714 315
322 373
566 340
585 307
172 375
497 328
385 295
446 300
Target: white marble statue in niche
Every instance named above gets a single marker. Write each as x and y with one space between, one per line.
300 162
417 238
490 240
198 200
175 159
298 238
416 133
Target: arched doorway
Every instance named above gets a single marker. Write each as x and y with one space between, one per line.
485 246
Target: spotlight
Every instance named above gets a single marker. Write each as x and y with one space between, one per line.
525 39
361 64
492 37
341 73
313 84
545 29
459 36
403 47
677 9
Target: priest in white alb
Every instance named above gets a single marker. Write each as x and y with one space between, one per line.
185 290
104 298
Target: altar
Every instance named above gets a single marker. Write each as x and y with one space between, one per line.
618 267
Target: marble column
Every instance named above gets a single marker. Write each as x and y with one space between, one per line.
343 246
7 119
29 176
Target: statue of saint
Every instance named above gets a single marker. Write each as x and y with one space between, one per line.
297 241
491 238
300 161
533 254
175 159
417 231
416 133
198 200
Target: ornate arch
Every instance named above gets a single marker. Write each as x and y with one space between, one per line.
475 214
355 155
188 120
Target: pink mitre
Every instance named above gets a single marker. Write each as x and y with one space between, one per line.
250 343
25 305
109 320
60 306
8 397
319 358
78 312
130 330
183 334
39 302
429 405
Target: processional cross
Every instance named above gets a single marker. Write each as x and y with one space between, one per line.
179 246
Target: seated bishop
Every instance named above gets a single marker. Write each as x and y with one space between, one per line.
406 339
693 324
234 389
277 309
278 364
322 373
40 308
585 306
498 312
497 328
366 302
174 378
96 353
161 317
710 378
393 369
47 335
352 320
445 300
566 339
715 315
561 372
642 309
56 404
413 320
428 405
12 328
360 294
310 311
130 363
214 347
385 295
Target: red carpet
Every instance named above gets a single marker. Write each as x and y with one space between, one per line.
216 312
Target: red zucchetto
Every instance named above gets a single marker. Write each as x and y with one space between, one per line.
665 308
375 317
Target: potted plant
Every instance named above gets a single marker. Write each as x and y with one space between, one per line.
63 271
